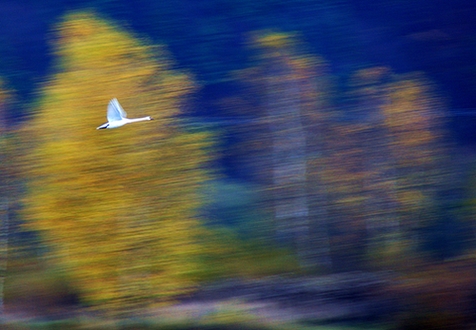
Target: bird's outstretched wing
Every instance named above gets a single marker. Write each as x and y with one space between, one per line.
114 111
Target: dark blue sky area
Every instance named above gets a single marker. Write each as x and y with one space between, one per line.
209 38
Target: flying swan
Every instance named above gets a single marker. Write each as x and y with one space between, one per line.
116 116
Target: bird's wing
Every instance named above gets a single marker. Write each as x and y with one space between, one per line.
114 111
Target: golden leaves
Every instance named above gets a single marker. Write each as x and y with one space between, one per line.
117 207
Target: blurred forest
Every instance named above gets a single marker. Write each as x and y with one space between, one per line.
291 138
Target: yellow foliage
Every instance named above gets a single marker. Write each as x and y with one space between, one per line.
117 207
274 40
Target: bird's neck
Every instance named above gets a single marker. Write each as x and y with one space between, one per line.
133 120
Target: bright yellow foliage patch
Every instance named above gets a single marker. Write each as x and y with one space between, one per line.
117 207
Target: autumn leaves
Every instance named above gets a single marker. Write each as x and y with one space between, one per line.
118 210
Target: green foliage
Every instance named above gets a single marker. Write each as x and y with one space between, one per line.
117 208
236 206
227 256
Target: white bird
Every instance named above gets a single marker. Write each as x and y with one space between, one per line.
117 117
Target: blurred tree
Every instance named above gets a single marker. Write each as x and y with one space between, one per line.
117 208
377 170
384 167
342 174
414 120
5 187
403 167
283 146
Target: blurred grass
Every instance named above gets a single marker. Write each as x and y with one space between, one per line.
31 282
148 325
36 286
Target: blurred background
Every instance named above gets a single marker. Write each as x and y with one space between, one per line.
311 162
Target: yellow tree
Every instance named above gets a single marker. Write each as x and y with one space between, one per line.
117 208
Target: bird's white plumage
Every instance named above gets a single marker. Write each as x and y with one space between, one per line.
117 117
114 111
